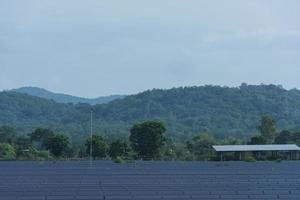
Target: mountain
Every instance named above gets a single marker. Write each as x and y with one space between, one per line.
221 111
64 98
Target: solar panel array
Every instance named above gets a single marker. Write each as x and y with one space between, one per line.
105 180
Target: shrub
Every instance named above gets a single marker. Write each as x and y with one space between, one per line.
7 152
119 160
249 158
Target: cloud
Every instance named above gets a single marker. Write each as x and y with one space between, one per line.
268 34
96 47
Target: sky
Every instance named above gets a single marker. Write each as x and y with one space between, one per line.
95 48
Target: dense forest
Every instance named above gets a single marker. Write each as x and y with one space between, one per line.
223 112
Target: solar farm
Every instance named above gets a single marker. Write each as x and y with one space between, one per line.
69 180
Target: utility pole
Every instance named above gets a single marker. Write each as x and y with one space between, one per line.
91 142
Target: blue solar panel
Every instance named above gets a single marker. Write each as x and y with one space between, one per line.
66 180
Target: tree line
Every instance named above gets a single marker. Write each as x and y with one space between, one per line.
185 111
147 141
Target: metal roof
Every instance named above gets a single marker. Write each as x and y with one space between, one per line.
267 147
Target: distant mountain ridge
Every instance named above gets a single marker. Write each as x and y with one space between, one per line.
221 111
64 98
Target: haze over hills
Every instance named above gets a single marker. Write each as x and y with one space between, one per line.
64 98
186 111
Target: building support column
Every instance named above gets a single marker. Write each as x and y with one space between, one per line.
221 156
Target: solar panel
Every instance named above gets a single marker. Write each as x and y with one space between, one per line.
66 180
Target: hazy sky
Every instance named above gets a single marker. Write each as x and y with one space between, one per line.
100 47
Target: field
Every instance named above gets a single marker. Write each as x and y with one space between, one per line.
66 180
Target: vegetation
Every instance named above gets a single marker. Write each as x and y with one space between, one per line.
258 139
41 137
63 98
118 149
267 129
58 145
288 137
222 111
7 152
99 147
147 139
201 147
156 124
249 158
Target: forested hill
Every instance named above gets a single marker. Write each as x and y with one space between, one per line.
64 98
222 111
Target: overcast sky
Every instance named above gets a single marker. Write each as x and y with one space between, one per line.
100 47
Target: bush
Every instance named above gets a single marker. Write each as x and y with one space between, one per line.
7 152
249 158
119 160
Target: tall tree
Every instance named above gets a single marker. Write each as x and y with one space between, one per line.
284 137
147 139
288 137
258 139
40 136
23 141
58 145
267 128
201 146
7 134
118 148
99 147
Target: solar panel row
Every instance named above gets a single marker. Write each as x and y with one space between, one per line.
148 180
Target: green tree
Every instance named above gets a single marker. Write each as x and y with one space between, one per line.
288 137
22 144
58 145
177 151
7 134
7 152
284 137
267 128
40 136
118 148
202 146
258 139
147 139
33 152
231 141
296 138
23 141
99 147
